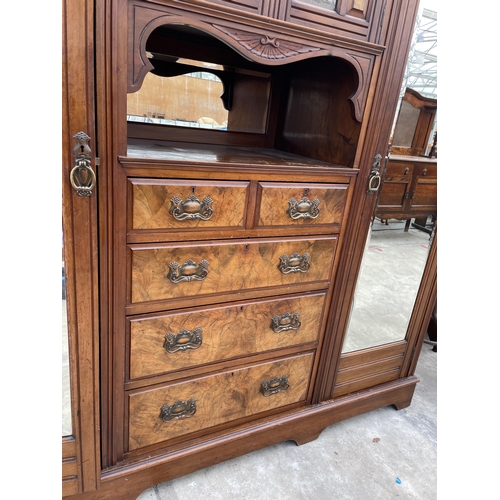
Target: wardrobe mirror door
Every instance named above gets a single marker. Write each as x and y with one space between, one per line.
391 271
67 429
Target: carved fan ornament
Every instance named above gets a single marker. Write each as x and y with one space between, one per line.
266 46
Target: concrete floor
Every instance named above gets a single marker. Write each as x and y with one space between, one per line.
386 454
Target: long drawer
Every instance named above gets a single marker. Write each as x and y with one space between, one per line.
164 413
175 341
189 270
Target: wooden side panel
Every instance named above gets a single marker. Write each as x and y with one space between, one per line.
226 332
293 204
219 399
69 467
425 195
243 265
393 194
367 368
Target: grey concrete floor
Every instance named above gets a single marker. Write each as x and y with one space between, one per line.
386 454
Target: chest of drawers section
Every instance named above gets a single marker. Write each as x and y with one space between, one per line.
228 281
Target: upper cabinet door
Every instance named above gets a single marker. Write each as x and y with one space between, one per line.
360 19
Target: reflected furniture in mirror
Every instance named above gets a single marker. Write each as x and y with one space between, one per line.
408 190
413 132
213 247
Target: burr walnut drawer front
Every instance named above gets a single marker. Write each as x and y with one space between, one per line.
170 271
169 342
186 204
164 413
301 204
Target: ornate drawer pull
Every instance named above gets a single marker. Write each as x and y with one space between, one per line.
285 322
303 209
294 264
275 385
190 209
183 341
180 409
424 171
189 271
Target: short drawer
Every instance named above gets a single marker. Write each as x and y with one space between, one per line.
301 204
164 413
427 170
170 342
398 169
186 204
169 271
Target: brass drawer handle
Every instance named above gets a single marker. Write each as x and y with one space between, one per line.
189 271
190 209
303 209
275 385
294 264
285 322
183 341
180 409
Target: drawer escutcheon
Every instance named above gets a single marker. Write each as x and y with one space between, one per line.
303 209
180 409
275 385
189 271
286 322
183 341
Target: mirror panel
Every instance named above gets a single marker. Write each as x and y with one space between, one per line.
391 271
67 428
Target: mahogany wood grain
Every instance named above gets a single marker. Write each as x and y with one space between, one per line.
151 203
275 198
227 332
234 266
219 399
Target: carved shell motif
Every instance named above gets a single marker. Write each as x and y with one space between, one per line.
266 46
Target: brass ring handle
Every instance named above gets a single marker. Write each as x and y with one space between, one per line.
374 183
285 322
303 209
275 385
183 341
294 264
374 179
189 271
190 209
180 409
82 177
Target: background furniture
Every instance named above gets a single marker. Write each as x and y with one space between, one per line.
210 273
408 189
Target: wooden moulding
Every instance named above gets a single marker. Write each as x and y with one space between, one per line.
300 425
262 43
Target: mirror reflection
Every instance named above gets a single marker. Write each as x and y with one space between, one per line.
66 397
392 268
188 93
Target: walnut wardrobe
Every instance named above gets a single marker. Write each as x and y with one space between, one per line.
213 238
